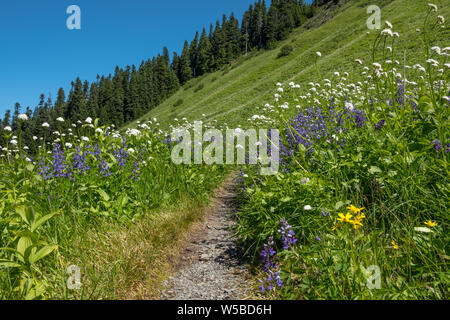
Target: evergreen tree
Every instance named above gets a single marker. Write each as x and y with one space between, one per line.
118 96
219 49
204 54
93 102
245 33
15 117
193 54
76 103
7 118
185 69
105 99
270 28
133 107
232 34
60 104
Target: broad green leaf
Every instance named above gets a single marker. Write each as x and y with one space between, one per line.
42 253
103 194
40 221
23 244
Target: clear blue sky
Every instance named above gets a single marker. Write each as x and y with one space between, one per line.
38 54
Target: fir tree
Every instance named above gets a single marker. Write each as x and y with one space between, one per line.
204 54
185 69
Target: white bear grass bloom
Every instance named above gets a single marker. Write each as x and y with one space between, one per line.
433 7
22 117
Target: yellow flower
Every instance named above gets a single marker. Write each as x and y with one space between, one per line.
395 245
346 218
361 217
431 223
354 209
356 224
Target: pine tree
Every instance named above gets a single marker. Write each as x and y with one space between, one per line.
185 69
232 37
245 33
219 50
270 29
76 104
193 54
105 99
133 107
15 117
118 97
175 66
60 105
93 102
204 54
6 118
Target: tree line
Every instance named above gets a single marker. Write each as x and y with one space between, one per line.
133 91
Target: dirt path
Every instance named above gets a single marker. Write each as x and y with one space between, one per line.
211 267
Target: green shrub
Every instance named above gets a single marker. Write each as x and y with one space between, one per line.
178 103
285 51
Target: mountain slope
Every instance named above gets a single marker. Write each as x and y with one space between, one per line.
338 32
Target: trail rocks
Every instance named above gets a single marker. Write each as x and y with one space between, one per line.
211 267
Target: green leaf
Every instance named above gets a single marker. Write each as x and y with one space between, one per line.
23 244
24 213
40 221
338 205
103 194
9 264
42 253
374 169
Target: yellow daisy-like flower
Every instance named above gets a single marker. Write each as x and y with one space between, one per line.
431 223
395 245
345 218
356 224
354 209
361 217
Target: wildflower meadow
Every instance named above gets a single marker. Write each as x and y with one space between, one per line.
358 207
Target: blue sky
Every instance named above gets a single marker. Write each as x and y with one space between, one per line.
38 54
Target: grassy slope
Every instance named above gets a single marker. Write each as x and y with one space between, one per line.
234 95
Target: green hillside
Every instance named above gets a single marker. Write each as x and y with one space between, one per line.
338 32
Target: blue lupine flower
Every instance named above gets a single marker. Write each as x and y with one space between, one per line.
380 124
287 234
437 144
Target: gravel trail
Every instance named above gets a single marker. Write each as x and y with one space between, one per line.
211 267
